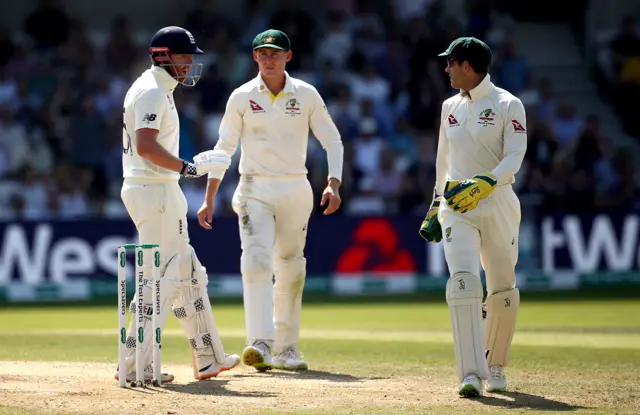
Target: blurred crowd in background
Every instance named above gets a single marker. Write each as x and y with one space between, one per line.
61 94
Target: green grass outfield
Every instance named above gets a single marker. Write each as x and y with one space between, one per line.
580 356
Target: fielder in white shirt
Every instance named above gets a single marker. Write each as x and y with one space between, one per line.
481 146
158 208
272 114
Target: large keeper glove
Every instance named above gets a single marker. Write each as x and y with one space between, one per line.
430 230
464 196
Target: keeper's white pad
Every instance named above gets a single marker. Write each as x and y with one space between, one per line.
502 312
464 297
193 310
213 162
168 292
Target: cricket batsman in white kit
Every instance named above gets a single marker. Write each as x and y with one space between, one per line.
481 145
157 206
272 114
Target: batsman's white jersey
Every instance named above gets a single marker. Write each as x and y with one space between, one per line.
274 199
482 131
149 104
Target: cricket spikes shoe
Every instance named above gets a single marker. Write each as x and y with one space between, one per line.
211 371
497 381
290 359
471 386
258 355
165 377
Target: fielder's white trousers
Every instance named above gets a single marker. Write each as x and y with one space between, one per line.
273 212
489 233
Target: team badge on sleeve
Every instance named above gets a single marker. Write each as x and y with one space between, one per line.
517 127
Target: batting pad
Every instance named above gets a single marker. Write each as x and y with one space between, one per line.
464 297
193 311
502 312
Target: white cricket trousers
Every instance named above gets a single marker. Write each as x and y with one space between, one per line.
159 211
273 213
489 232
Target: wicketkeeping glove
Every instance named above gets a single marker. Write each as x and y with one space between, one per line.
465 196
430 230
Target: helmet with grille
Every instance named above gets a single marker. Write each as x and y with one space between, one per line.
174 49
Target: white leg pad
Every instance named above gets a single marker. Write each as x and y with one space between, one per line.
168 293
502 312
464 298
194 313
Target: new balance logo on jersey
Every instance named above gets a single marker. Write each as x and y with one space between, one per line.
517 127
452 120
149 118
255 107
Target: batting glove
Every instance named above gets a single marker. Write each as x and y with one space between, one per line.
464 197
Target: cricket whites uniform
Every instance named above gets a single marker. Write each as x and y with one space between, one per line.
158 208
479 133
481 145
151 193
274 199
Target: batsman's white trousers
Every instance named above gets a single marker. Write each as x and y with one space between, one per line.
273 213
159 211
489 233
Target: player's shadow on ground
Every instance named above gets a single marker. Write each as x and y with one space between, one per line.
215 387
313 374
527 401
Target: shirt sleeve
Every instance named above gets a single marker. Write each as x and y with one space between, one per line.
442 157
327 134
230 129
515 142
149 109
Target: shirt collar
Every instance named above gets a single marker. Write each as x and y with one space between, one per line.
289 87
480 91
165 80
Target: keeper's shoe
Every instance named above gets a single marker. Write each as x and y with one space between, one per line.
258 355
211 371
165 378
290 359
497 381
471 386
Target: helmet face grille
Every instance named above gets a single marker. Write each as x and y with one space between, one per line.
194 72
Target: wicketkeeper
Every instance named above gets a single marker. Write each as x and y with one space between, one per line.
481 145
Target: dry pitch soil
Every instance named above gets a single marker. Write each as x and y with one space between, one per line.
89 388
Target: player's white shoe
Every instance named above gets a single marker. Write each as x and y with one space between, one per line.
258 355
166 377
290 359
211 371
471 386
497 381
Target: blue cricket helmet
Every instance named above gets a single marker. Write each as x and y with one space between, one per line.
175 40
